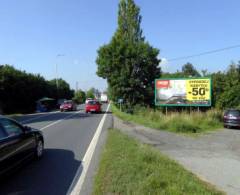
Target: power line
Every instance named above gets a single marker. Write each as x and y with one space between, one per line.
204 53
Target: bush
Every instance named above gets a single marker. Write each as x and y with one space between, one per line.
181 122
184 126
215 114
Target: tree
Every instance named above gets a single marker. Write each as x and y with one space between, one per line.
79 96
177 74
62 90
128 62
218 88
96 92
205 73
90 93
189 70
19 90
228 92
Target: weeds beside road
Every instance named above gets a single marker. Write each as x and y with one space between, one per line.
196 122
129 167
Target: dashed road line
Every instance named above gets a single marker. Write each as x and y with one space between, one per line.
42 115
58 121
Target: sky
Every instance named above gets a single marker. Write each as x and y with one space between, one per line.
38 35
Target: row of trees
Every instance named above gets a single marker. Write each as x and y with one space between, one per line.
19 90
80 96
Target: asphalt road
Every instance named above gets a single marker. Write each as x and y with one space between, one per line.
67 137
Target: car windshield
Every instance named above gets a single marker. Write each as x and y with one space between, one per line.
233 113
92 102
68 102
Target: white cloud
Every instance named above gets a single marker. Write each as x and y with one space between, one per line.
164 65
164 61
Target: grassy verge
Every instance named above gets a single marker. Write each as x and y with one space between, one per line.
128 167
196 122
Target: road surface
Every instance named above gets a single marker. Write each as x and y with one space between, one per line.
67 137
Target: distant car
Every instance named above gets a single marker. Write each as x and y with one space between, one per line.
231 118
68 105
104 98
17 144
93 106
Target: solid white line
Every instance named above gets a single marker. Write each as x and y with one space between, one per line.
42 115
78 180
58 121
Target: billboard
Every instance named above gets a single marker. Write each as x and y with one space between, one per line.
183 92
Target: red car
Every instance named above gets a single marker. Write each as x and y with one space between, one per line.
93 106
68 106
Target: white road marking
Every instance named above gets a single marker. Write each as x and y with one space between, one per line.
58 121
78 180
42 115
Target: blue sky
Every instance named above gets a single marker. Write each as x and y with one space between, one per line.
34 32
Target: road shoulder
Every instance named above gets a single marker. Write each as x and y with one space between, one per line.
88 183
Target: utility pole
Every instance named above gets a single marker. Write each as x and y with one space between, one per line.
59 55
76 86
57 76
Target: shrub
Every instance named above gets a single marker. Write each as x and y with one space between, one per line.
182 122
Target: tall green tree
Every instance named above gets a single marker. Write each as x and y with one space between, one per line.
128 62
79 96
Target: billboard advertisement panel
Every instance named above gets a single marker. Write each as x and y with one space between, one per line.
183 92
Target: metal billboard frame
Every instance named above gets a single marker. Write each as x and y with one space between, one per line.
183 105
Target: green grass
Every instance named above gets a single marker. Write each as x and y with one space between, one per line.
194 123
128 167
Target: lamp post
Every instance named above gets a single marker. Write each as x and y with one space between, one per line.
59 55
